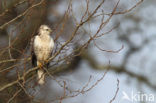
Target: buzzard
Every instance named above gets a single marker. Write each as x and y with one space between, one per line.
42 46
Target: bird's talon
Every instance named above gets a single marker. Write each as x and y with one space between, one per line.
46 61
40 65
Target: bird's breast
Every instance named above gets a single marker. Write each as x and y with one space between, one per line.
43 48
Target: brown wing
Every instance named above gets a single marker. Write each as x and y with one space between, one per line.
33 56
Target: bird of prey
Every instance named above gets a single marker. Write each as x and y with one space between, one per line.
42 46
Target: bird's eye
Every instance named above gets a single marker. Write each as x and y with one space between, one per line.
46 29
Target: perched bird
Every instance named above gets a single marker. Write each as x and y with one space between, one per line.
42 46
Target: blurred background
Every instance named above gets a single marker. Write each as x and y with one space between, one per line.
109 57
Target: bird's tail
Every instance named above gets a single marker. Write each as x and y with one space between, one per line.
41 76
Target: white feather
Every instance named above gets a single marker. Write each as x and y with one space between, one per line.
41 76
43 46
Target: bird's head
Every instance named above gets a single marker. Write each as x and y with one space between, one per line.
44 29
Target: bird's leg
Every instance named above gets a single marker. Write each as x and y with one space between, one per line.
46 61
40 65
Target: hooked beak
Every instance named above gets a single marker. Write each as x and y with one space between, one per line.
50 30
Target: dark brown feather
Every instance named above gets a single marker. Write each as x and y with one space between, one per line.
33 56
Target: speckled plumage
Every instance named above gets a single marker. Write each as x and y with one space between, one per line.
42 47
